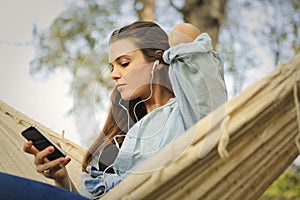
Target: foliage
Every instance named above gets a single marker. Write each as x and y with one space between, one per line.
236 47
255 36
70 37
280 28
76 42
287 186
82 27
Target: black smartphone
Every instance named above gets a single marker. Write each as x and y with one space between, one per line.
41 141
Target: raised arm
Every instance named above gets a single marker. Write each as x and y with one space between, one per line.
196 73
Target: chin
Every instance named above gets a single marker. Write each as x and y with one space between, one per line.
127 97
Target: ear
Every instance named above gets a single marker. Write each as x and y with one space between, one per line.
159 54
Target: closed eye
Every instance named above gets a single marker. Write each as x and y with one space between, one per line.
125 64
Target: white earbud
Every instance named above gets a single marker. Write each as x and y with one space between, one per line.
154 66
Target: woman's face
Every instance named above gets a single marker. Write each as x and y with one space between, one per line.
130 70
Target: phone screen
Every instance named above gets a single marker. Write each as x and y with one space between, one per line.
41 141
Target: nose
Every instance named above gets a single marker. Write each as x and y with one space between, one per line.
115 74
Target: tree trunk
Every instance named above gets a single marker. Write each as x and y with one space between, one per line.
207 15
145 9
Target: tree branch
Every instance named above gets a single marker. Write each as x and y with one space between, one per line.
174 6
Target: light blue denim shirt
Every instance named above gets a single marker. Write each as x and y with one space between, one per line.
196 74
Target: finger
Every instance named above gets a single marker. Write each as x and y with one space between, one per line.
29 148
40 157
52 166
66 161
63 162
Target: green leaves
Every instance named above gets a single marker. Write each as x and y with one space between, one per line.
286 186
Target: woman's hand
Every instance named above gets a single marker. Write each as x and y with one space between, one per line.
51 169
183 33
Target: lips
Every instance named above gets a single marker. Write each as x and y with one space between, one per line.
120 86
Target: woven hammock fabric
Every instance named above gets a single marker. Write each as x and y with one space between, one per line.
15 161
236 152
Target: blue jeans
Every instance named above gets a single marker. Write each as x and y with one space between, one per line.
14 187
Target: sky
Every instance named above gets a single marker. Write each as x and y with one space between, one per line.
44 100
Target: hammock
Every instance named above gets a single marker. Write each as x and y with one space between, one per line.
235 152
15 161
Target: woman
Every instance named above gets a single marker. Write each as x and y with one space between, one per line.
161 91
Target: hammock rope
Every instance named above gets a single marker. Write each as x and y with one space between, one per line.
224 140
297 139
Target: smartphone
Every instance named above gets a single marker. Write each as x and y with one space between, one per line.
41 141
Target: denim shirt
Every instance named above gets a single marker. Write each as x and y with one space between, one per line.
196 75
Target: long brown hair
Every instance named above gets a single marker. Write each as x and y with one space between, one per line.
150 39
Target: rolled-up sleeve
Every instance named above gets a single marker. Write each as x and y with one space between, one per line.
96 183
196 74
